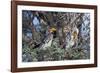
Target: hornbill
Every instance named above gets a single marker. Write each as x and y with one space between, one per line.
47 40
73 37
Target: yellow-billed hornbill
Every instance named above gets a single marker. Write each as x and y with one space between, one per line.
48 40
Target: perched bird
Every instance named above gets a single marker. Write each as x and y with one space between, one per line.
71 36
48 40
75 34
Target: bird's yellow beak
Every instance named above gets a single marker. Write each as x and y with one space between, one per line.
52 29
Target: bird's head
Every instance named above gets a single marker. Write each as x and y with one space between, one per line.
53 31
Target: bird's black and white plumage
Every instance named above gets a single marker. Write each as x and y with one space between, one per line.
73 38
48 40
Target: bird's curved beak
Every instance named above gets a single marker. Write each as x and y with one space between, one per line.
52 30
